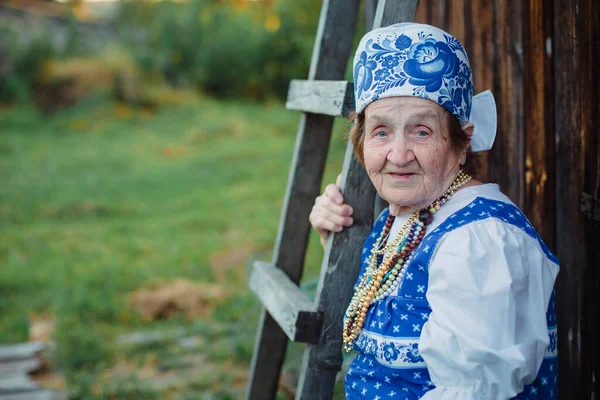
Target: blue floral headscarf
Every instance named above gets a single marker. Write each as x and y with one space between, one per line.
418 60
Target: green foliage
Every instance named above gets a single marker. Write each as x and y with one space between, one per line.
212 46
26 53
22 63
221 48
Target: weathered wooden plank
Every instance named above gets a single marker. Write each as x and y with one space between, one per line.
42 394
17 382
577 117
394 11
330 55
590 206
421 13
438 13
20 351
504 35
570 308
539 130
370 9
296 315
23 366
312 143
455 19
341 265
335 98
333 42
341 262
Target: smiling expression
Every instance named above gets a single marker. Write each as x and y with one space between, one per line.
408 153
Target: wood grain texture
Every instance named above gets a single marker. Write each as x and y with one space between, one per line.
17 382
577 117
20 351
539 205
41 394
335 98
393 11
23 366
541 59
370 9
295 314
341 265
333 43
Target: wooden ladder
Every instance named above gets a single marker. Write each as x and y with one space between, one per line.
287 313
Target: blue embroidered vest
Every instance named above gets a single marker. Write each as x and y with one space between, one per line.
388 365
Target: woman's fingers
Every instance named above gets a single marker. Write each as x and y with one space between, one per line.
324 203
329 213
323 219
332 192
333 200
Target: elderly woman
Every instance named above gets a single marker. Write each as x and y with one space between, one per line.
455 295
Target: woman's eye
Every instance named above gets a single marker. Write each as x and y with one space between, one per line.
422 133
380 134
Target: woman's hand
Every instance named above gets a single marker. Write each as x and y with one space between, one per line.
330 214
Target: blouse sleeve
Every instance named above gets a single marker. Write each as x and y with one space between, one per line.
489 288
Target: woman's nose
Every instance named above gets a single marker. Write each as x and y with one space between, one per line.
400 152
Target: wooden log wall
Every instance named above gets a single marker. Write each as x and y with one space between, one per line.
576 121
541 58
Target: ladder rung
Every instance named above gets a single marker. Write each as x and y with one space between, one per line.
321 97
294 312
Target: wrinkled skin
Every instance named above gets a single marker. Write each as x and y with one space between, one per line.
408 157
408 153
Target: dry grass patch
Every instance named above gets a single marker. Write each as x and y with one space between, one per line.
179 297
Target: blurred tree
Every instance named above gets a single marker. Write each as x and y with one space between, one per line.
223 47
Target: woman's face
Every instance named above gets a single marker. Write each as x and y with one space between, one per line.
408 153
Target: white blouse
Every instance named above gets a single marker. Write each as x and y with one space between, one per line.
474 348
489 288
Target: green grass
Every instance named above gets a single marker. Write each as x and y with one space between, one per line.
101 199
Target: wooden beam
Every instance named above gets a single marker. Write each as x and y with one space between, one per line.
20 351
41 394
341 266
22 365
341 262
296 315
17 382
330 56
370 9
335 98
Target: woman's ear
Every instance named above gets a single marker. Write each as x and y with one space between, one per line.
468 130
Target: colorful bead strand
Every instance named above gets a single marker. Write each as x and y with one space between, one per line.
382 279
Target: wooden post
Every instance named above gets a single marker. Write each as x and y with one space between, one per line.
330 54
341 263
370 8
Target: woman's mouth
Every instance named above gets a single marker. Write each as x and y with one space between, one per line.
400 175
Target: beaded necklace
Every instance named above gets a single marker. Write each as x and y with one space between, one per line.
380 280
